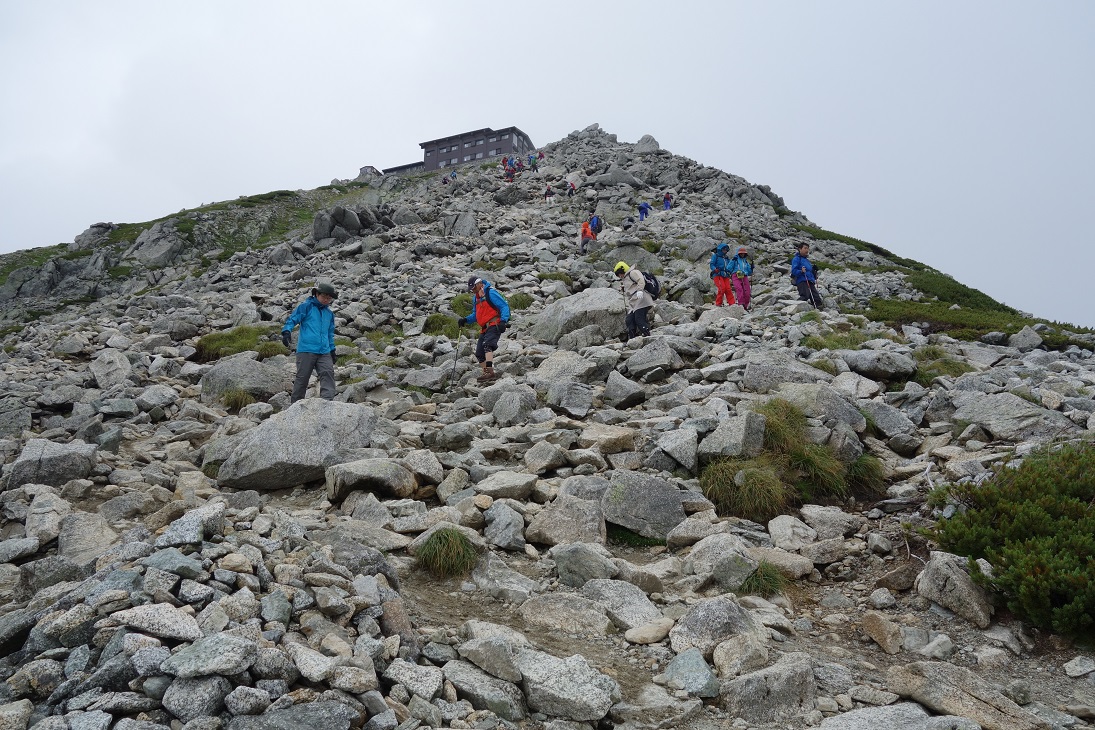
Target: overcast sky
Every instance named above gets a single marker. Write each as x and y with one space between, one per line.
956 133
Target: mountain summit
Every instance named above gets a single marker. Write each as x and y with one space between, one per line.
745 518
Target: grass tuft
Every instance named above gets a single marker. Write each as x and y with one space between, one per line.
867 475
447 553
442 324
271 349
521 300
785 425
820 472
749 488
234 399
461 304
230 342
765 581
623 536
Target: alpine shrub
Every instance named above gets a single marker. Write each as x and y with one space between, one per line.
1035 524
447 553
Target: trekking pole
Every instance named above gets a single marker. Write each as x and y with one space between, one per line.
456 358
811 289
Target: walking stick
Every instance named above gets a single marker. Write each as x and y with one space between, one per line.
456 358
811 289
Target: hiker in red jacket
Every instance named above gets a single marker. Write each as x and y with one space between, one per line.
667 201
587 235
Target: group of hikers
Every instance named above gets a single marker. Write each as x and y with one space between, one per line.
491 312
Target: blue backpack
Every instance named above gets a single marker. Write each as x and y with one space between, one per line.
595 224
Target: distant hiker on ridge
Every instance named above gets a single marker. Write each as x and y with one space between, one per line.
316 344
490 311
720 274
644 210
804 276
638 299
741 268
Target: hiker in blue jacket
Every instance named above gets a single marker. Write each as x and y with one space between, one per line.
316 343
644 210
490 311
720 274
804 276
741 268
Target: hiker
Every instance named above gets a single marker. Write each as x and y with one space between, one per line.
644 210
535 166
540 155
596 224
490 311
549 195
453 174
570 189
741 268
585 237
316 343
720 274
638 299
804 276
629 223
444 180
667 201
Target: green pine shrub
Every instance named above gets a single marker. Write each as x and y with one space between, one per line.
1036 526
447 553
765 581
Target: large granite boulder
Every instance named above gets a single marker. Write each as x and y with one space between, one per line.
297 445
603 307
951 690
642 503
1008 417
259 379
48 462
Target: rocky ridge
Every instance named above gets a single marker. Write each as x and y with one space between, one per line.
167 562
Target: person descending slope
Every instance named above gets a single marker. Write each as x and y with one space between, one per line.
585 237
804 276
741 268
644 210
720 274
316 344
490 311
639 300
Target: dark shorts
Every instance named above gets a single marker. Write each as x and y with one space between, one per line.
487 342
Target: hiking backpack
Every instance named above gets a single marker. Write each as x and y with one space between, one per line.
596 224
653 287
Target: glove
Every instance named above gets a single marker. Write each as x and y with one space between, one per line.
502 327
332 353
286 336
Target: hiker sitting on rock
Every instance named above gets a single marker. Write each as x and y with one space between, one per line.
741 268
316 344
490 311
720 274
804 276
639 301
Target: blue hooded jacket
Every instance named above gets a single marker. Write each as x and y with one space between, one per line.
797 264
741 265
493 298
317 326
720 263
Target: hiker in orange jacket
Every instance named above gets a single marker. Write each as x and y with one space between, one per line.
587 235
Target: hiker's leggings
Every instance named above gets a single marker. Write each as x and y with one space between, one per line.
487 342
743 290
324 365
807 292
724 293
637 322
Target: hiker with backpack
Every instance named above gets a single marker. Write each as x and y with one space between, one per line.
644 210
549 195
596 224
804 276
585 237
316 343
667 200
720 274
570 189
490 311
741 268
640 290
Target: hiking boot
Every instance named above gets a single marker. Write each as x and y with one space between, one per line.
489 375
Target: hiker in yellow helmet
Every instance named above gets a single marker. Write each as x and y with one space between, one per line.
636 288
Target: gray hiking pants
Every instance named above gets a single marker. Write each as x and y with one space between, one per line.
324 365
